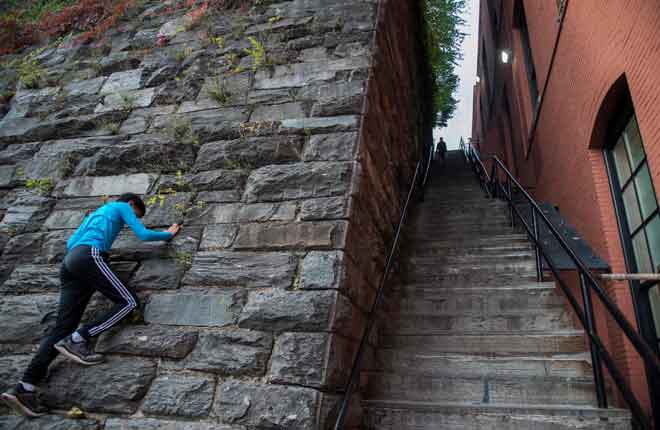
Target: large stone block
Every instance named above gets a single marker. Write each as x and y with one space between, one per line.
127 100
257 270
234 213
229 352
154 424
195 308
215 180
180 395
235 86
280 310
66 219
158 274
31 278
208 125
278 112
11 371
217 237
115 386
123 81
267 406
324 208
21 218
306 235
303 74
249 152
298 181
299 358
316 125
18 152
84 87
26 319
151 154
331 147
107 185
49 422
151 341
340 98
163 213
56 159
322 270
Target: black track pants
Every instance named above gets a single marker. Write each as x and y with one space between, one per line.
84 271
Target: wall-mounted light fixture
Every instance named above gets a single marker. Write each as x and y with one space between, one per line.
478 79
505 56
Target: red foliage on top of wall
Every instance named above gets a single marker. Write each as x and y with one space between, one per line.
91 17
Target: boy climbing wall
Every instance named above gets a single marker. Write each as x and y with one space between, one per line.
84 271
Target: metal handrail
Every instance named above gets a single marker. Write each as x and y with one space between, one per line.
588 284
418 181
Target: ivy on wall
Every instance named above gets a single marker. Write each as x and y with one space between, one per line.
443 39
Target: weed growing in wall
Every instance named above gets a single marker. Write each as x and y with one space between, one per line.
42 186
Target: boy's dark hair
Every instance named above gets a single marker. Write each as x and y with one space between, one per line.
137 201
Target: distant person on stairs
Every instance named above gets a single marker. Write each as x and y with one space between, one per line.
440 151
85 270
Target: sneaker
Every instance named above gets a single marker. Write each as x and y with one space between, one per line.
25 402
78 352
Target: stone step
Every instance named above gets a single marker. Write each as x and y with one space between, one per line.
464 242
504 266
431 218
525 269
412 362
459 206
432 289
411 324
489 344
475 257
407 415
536 390
440 228
487 301
477 250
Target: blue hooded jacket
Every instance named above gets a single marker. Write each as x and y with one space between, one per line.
100 228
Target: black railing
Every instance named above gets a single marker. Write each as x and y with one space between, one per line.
500 183
419 181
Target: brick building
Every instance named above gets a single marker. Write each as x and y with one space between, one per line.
568 97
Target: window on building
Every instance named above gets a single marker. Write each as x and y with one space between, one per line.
521 24
638 205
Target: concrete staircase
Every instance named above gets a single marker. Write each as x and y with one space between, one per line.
476 343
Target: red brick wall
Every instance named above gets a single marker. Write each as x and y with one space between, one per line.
562 160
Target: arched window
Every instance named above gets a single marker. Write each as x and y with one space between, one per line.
635 199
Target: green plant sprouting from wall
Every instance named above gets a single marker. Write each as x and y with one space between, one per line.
43 186
30 73
218 92
442 39
258 53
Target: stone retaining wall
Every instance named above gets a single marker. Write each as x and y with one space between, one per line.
289 176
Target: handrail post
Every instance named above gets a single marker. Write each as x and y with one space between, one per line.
537 251
599 380
510 198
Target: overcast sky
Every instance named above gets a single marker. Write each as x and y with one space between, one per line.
461 123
